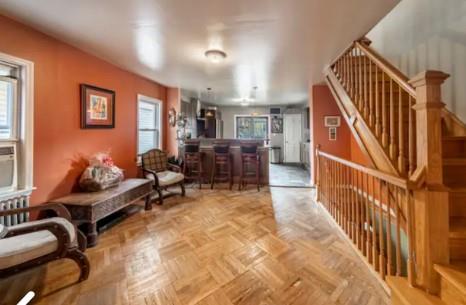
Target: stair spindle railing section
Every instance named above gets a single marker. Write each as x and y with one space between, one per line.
384 98
374 209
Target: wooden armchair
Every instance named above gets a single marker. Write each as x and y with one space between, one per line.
38 242
155 167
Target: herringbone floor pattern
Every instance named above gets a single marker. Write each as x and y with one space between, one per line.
214 247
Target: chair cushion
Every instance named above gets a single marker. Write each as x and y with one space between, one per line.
58 220
26 247
167 178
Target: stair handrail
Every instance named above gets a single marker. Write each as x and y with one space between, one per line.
398 181
388 68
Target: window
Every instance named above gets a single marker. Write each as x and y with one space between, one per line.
252 127
8 105
149 123
17 123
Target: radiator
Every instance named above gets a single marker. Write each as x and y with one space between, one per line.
18 201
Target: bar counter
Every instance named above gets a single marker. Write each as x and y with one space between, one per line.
207 154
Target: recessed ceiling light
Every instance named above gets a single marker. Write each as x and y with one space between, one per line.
215 56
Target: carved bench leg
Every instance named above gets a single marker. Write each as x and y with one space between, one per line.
81 260
160 196
91 234
148 204
183 190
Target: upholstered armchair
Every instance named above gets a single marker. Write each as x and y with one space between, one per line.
38 242
155 167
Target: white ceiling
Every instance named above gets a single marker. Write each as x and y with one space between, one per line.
277 45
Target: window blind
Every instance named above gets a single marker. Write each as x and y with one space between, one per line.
148 133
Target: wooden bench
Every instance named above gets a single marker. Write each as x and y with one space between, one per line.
88 208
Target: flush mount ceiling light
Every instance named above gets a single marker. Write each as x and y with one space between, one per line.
215 56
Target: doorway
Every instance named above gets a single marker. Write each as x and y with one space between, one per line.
292 169
292 133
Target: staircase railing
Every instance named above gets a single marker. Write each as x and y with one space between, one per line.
384 98
375 211
399 123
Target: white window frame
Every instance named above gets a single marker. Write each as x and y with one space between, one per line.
248 116
148 99
23 134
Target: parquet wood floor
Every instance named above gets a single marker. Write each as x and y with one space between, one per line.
213 247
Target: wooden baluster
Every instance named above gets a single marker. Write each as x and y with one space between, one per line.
348 200
342 198
375 255
330 187
338 193
348 71
351 202
382 261
358 210
371 94
340 203
351 73
401 144
345 201
367 222
348 66
392 124
353 205
355 75
384 114
377 105
411 238
333 190
366 103
398 230
389 232
345 71
361 98
343 63
411 138
324 179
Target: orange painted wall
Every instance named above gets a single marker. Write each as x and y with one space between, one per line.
173 101
59 143
321 104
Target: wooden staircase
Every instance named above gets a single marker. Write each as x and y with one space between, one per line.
452 292
397 122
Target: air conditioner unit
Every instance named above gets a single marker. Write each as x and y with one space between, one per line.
8 167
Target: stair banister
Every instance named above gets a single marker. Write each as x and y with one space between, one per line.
431 201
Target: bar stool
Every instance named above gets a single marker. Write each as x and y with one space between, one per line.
221 167
250 165
192 165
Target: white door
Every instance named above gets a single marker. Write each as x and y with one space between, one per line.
292 126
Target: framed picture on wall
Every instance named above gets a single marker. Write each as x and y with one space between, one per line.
332 121
277 125
97 107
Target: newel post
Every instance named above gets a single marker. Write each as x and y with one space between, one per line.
431 223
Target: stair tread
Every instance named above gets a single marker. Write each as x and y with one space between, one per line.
454 274
454 161
409 295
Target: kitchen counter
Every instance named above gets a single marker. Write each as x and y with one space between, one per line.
207 154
